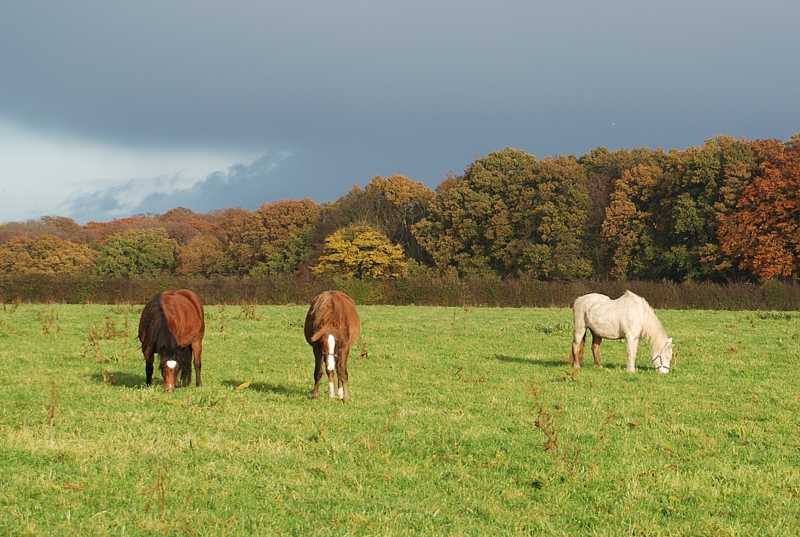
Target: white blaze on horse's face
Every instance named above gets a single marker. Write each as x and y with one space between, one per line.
329 352
172 364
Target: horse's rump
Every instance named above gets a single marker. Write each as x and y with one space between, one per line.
170 321
332 312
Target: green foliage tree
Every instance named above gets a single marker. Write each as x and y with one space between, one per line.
511 213
137 252
704 184
360 251
44 254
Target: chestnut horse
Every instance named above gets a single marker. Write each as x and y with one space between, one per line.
172 324
332 327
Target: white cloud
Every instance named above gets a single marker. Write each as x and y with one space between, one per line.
39 170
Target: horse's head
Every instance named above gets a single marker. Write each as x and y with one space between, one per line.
169 372
663 358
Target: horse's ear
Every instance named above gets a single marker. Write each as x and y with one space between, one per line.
669 341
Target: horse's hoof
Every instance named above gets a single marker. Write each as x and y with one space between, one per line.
314 395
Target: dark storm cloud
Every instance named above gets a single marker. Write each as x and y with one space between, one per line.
355 89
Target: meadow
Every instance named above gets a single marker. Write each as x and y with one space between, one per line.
463 421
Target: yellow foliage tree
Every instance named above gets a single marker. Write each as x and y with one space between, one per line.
45 255
360 251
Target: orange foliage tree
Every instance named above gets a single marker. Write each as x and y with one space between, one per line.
763 235
203 255
275 238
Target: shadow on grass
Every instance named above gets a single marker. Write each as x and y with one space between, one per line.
530 361
266 387
119 378
549 363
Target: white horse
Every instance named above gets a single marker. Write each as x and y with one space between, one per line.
629 317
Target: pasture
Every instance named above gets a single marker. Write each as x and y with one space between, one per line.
462 422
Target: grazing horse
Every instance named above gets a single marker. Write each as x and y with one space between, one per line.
629 317
332 327
172 324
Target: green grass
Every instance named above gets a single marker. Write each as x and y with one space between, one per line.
440 438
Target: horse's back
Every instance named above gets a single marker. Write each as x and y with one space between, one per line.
614 319
583 303
334 312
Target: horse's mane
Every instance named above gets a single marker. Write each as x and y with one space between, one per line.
332 312
652 324
154 332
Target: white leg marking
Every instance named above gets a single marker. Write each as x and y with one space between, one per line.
331 351
330 389
341 392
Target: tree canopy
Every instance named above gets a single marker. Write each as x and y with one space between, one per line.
726 210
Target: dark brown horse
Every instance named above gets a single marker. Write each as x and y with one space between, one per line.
332 327
172 325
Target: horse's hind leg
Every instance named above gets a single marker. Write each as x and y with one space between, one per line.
596 341
578 342
317 370
341 374
197 355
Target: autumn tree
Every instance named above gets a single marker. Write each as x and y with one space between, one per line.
137 252
288 228
55 226
360 251
275 238
390 204
664 213
603 169
45 254
204 255
511 213
763 234
184 224
628 229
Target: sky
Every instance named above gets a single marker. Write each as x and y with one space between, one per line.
109 109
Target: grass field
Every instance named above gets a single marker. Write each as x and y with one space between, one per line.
462 422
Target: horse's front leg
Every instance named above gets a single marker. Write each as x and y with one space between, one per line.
596 341
148 367
633 344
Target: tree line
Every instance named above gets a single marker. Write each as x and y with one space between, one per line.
728 210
